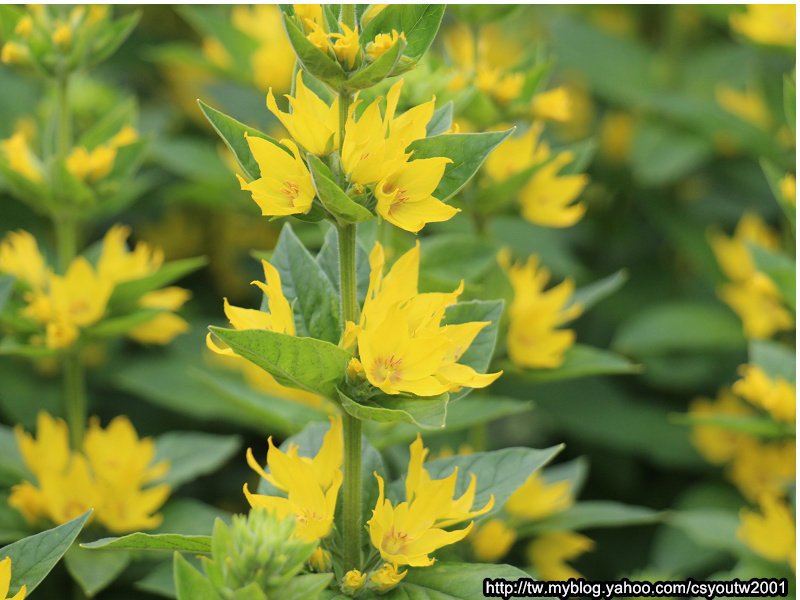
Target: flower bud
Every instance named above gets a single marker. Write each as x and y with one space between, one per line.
62 36
352 582
320 560
14 54
385 578
24 27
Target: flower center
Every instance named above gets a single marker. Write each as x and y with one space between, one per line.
291 190
387 368
394 542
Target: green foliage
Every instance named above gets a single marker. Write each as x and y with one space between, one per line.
171 542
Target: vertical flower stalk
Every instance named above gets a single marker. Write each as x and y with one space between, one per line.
351 519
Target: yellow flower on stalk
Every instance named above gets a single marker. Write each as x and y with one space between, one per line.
5 582
536 499
408 533
763 468
776 396
517 153
505 87
49 451
311 485
733 254
285 186
312 123
95 164
24 27
550 552
788 188
553 105
62 36
19 156
771 533
535 339
165 326
772 24
547 199
385 578
759 305
273 61
20 257
492 540
717 445
14 53
118 264
403 346
309 13
405 196
346 45
748 105
319 37
382 43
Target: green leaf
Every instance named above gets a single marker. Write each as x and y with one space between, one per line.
378 70
589 295
13 525
95 570
119 326
776 360
452 581
451 257
790 101
582 361
233 134
112 35
780 268
305 284
34 557
335 201
479 354
441 121
302 587
129 292
709 527
763 427
187 516
466 150
662 154
318 63
774 175
303 363
196 544
496 196
419 23
6 285
12 469
429 413
190 584
499 473
679 326
193 454
592 514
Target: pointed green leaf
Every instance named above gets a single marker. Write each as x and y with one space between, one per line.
6 285
582 361
95 570
589 295
468 151
430 413
451 581
306 586
190 584
378 70
339 204
129 292
196 544
192 454
418 22
594 514
776 360
441 121
112 35
303 363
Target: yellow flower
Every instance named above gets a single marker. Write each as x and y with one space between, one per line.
311 484
788 188
118 264
405 196
62 36
319 37
770 534
19 156
772 24
505 87
353 581
554 105
776 396
547 199
382 43
165 326
492 540
309 13
535 315
24 27
760 468
517 153
20 257
718 445
759 306
95 164
346 45
285 186
407 533
14 54
536 499
49 451
616 136
385 578
273 61
5 582
402 345
373 11
320 560
312 123
732 253
550 552
748 105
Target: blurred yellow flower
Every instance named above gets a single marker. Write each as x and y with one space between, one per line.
772 24
118 264
492 540
346 45
776 396
403 346
553 105
14 53
20 158
309 13
717 445
5 582
311 484
788 188
517 153
311 123
407 533
20 257
383 42
62 35
95 164
109 475
536 499
771 533
24 27
547 199
372 11
760 468
616 136
747 104
285 186
273 61
165 326
535 315
385 578
550 552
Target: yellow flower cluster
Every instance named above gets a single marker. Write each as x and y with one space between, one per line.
772 24
770 534
535 315
113 473
5 582
750 293
402 345
65 304
373 154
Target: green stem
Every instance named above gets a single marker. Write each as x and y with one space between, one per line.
349 15
75 396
